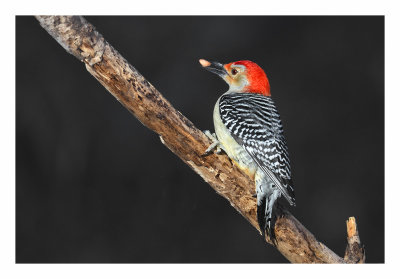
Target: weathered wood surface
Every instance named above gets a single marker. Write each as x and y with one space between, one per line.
137 95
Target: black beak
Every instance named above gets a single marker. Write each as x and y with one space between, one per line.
214 67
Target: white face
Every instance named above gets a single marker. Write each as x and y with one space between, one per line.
236 78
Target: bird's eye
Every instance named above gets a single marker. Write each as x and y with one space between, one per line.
234 71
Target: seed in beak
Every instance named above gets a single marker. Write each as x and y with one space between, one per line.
204 63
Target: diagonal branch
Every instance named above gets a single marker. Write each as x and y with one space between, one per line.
176 132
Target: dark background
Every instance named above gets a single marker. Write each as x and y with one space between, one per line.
94 185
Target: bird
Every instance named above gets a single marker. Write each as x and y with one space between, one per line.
249 130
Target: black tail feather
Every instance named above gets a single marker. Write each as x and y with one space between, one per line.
270 228
266 222
261 216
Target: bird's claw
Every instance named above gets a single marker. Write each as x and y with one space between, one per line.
212 137
214 145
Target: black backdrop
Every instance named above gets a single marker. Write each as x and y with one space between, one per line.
94 185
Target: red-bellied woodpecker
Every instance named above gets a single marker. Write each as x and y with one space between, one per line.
248 128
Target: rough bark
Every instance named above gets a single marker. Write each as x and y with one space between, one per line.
355 252
176 132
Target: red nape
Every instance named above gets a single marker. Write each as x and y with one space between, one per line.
257 78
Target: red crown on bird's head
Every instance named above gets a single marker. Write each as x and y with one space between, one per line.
256 77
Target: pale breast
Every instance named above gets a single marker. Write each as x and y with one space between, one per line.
236 152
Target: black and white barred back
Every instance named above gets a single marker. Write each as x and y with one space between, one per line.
254 122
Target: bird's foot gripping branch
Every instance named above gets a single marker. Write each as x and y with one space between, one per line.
136 94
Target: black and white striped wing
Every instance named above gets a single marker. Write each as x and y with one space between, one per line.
254 122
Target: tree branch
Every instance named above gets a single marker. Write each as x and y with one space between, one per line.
176 132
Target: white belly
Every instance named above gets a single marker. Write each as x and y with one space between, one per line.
236 152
